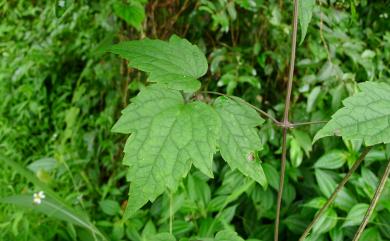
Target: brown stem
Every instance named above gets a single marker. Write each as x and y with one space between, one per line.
292 125
373 203
335 192
285 119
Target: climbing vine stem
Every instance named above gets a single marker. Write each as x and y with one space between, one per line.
335 192
286 116
373 203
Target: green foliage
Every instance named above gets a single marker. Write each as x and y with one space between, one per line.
176 64
305 11
61 93
133 12
238 140
365 116
168 137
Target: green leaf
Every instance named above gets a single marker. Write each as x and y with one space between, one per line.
316 203
304 140
325 181
272 175
51 208
176 64
355 215
110 207
326 222
296 154
133 13
239 140
168 136
161 237
313 98
53 200
371 234
332 160
295 223
305 13
227 235
336 234
366 116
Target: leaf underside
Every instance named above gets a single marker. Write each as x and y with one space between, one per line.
365 116
177 64
239 140
168 136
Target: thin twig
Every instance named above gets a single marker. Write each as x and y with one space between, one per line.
286 115
307 123
170 212
373 203
265 114
335 192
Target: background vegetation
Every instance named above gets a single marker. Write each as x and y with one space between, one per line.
61 93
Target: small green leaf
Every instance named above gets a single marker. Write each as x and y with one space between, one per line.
133 13
336 234
371 234
46 163
325 181
110 207
312 98
168 136
160 237
176 64
332 160
305 13
304 140
296 153
366 116
295 223
316 203
49 207
326 222
239 140
227 235
272 175
355 215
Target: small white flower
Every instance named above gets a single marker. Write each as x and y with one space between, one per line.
38 197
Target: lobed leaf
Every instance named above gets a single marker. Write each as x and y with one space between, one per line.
177 64
365 116
239 141
167 137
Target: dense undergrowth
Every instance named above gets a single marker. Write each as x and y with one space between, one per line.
61 93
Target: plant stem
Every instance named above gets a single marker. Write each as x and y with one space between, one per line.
373 203
285 118
170 212
334 194
307 123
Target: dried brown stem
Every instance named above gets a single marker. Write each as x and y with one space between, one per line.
373 203
335 192
285 119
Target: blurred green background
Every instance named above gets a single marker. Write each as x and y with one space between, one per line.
60 94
